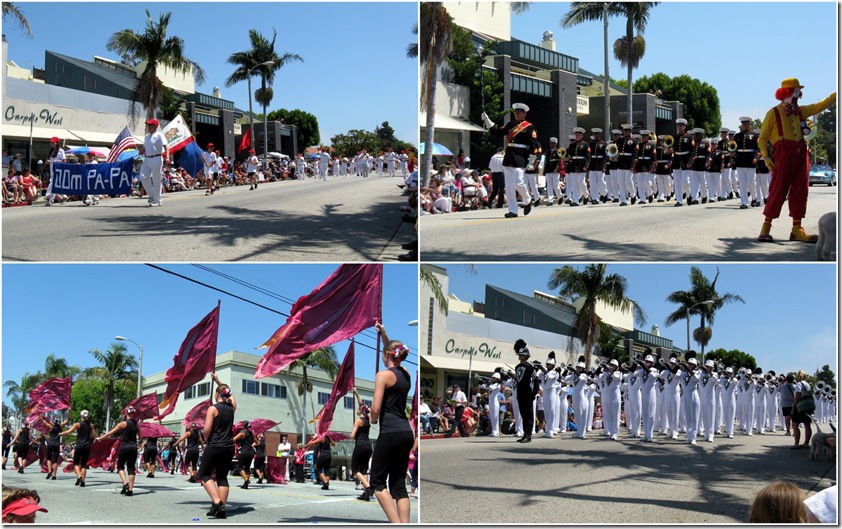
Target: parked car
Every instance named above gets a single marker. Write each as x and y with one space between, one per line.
823 174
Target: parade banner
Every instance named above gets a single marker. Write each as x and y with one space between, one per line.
177 134
93 179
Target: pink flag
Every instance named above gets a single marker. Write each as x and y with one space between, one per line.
196 358
150 429
146 407
413 414
342 385
51 395
347 302
197 414
257 426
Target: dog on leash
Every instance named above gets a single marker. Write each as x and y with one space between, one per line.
818 445
826 245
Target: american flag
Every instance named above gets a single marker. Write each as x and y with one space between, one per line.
123 142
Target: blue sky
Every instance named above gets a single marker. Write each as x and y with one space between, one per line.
355 73
69 309
720 43
788 321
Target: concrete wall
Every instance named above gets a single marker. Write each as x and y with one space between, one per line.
184 82
490 18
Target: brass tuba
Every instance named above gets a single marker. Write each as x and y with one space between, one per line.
612 152
732 146
562 152
668 141
813 129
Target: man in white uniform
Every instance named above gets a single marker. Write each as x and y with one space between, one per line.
404 159
251 168
209 159
324 162
390 161
154 153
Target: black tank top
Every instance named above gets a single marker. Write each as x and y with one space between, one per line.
393 414
261 449
222 434
54 439
362 432
324 448
7 437
193 439
24 438
83 438
151 442
245 443
130 433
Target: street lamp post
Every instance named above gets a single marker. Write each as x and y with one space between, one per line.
706 302
139 361
251 114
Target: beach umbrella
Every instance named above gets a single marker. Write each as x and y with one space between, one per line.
438 149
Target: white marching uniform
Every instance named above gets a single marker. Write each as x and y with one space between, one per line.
493 407
707 405
153 164
690 402
648 378
760 406
772 408
579 381
324 163
671 403
550 384
633 405
729 403
610 392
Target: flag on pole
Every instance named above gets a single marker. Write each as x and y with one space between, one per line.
245 143
50 395
195 359
347 302
124 141
145 407
177 134
197 414
413 414
342 385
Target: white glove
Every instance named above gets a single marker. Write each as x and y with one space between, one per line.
486 121
531 161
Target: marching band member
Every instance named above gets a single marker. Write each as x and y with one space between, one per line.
759 402
549 383
552 170
596 177
648 377
633 405
707 402
680 153
625 165
729 400
526 392
690 378
610 381
579 380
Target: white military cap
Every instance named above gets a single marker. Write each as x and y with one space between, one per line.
731 132
553 140
729 370
495 375
596 129
681 121
698 131
614 362
580 364
672 360
615 131
649 358
579 130
708 363
645 132
714 140
626 126
520 106
743 119
693 361
571 137
724 129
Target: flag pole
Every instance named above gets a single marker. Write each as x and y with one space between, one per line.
380 313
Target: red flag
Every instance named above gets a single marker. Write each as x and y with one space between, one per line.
197 414
256 426
413 414
196 358
346 303
342 385
50 395
150 429
145 407
245 142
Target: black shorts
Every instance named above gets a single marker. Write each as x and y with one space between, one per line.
800 418
216 459
244 461
80 456
6 448
191 458
787 411
127 457
22 450
389 463
360 458
150 455
260 463
53 453
323 463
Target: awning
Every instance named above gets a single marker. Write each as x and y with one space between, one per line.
38 133
459 364
445 122
75 137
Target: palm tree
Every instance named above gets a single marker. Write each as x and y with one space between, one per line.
118 369
154 47
694 301
18 393
11 10
262 51
434 46
58 368
594 286
630 48
432 281
324 359
412 48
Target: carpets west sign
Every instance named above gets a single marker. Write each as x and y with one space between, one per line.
481 350
43 117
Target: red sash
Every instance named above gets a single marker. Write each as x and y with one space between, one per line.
517 130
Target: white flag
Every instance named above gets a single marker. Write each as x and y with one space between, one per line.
177 134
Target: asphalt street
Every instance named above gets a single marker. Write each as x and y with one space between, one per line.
341 220
660 232
167 500
496 481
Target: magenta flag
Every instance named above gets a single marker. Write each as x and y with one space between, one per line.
50 395
257 426
197 414
146 407
348 301
196 358
150 429
35 423
342 385
413 414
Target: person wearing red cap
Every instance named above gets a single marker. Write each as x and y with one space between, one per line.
404 160
56 156
252 164
785 127
127 453
209 159
155 153
20 505
324 163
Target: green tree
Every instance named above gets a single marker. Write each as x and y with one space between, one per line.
432 281
87 395
156 49
609 344
306 123
323 359
18 392
118 373
434 45
15 13
55 367
356 140
827 375
702 299
631 47
733 358
412 48
169 106
251 62
595 286
825 142
701 101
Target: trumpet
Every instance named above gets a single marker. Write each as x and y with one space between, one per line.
667 141
562 152
612 152
732 146
813 130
